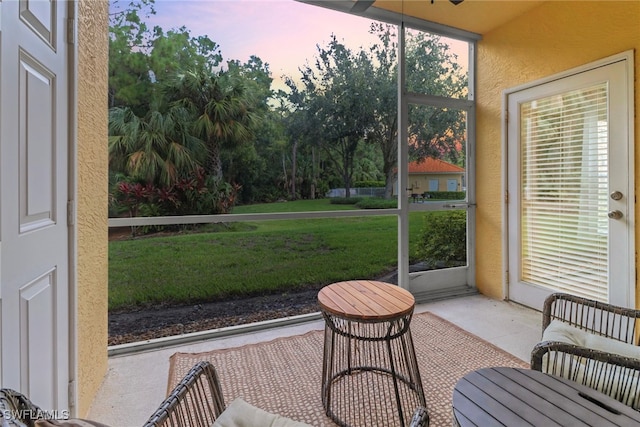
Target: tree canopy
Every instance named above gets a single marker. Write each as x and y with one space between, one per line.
182 113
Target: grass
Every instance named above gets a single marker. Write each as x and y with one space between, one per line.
293 206
252 258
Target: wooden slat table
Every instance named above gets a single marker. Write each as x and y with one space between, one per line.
370 374
523 397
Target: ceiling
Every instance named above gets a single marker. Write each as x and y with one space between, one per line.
477 16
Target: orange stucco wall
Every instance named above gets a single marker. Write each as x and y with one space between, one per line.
551 38
91 172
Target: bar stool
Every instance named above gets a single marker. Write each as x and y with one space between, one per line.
370 374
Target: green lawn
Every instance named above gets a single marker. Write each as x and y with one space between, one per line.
294 206
252 258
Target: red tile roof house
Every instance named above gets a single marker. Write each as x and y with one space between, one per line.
433 174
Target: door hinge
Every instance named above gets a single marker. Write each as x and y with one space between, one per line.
506 116
506 197
72 394
71 213
71 31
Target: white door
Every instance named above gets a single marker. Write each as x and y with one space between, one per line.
570 186
452 185
34 234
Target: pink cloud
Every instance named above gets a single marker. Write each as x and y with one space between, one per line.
282 33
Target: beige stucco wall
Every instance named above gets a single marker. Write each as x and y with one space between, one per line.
549 39
420 183
92 231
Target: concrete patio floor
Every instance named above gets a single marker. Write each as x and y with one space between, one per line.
136 384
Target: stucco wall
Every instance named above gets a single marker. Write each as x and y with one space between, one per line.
420 183
92 231
549 39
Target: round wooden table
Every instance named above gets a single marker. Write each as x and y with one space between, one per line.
370 374
502 396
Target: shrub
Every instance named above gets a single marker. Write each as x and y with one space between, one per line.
445 195
377 203
369 184
443 242
345 200
193 194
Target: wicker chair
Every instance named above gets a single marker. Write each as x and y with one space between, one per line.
611 373
197 401
420 418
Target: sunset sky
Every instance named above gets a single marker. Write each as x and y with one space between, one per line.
283 33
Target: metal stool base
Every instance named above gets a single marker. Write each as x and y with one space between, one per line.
370 372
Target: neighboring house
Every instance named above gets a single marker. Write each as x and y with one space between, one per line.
434 175
53 163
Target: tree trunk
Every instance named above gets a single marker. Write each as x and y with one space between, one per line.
388 183
294 157
285 184
213 165
314 180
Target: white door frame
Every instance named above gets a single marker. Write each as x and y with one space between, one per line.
628 58
72 31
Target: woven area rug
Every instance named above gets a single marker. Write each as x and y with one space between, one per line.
283 376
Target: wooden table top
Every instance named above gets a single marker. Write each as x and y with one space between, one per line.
518 397
366 300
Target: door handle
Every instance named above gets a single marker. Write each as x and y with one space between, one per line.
614 214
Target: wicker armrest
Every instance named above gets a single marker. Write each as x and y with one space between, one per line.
195 401
594 316
420 417
612 374
545 347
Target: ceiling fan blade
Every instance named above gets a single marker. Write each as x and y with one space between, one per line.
456 2
361 5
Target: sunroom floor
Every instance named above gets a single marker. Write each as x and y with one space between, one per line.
136 383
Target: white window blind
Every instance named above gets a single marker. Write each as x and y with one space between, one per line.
564 194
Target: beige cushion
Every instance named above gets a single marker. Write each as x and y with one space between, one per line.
584 372
242 414
564 332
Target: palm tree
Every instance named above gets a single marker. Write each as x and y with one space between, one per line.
157 148
222 109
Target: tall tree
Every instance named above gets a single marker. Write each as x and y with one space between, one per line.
303 130
353 95
384 102
223 111
433 69
176 50
243 164
339 83
129 38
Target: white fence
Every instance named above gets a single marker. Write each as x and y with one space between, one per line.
361 192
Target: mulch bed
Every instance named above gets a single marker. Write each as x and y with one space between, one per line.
167 320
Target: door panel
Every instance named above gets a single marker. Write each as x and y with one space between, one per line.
438 224
34 235
37 332
568 151
37 144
